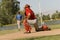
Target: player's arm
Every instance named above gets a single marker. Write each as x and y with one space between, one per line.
28 15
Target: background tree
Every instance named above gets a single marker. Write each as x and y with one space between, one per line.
46 17
56 15
8 10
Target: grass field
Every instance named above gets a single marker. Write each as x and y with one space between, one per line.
55 37
15 30
8 31
55 26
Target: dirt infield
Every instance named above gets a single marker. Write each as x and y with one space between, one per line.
21 34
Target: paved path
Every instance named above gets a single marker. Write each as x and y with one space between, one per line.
21 34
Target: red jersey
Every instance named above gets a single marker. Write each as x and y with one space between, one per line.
29 11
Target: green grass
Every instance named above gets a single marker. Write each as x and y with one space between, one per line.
10 25
8 31
55 37
16 30
55 26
